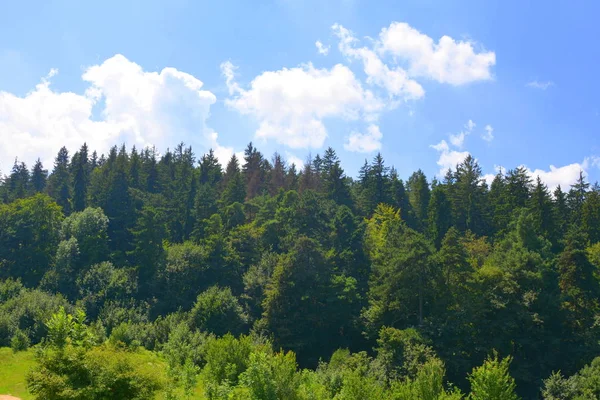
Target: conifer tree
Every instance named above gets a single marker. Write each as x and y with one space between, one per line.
59 182
18 181
419 194
80 168
542 210
234 188
39 176
277 175
576 198
439 215
590 215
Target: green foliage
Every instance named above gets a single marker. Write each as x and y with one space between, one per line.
428 276
20 341
29 234
271 376
218 311
492 380
98 373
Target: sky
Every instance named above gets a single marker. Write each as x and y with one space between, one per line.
511 82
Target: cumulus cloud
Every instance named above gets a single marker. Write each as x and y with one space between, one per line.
394 80
449 158
564 176
364 142
290 104
458 139
488 136
321 48
137 108
447 61
293 159
540 85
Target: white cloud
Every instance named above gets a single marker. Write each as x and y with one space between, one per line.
458 139
364 142
564 176
141 108
394 80
290 104
228 71
447 61
322 49
448 159
540 85
488 136
470 125
293 159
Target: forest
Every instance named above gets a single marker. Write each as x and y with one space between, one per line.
138 275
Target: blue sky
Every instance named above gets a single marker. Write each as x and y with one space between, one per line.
524 71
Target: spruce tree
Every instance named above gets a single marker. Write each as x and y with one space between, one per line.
59 182
80 168
419 194
18 181
39 177
234 188
439 215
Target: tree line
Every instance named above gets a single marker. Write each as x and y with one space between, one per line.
312 261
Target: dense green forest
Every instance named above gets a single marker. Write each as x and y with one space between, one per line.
256 280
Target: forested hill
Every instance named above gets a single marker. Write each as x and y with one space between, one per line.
157 249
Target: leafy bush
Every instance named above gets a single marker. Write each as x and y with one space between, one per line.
20 341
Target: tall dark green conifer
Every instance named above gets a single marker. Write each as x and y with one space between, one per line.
59 182
277 175
542 210
576 198
39 177
419 194
590 215
80 168
470 208
18 181
439 215
254 171
499 204
234 188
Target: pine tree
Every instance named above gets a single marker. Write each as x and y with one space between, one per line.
135 169
439 218
254 172
518 183
561 210
234 189
291 178
542 210
150 170
277 175
453 257
18 181
470 198
576 198
39 176
308 178
579 289
59 183
80 168
419 194
399 199
499 203
590 215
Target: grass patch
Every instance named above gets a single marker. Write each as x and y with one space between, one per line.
15 366
13 370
